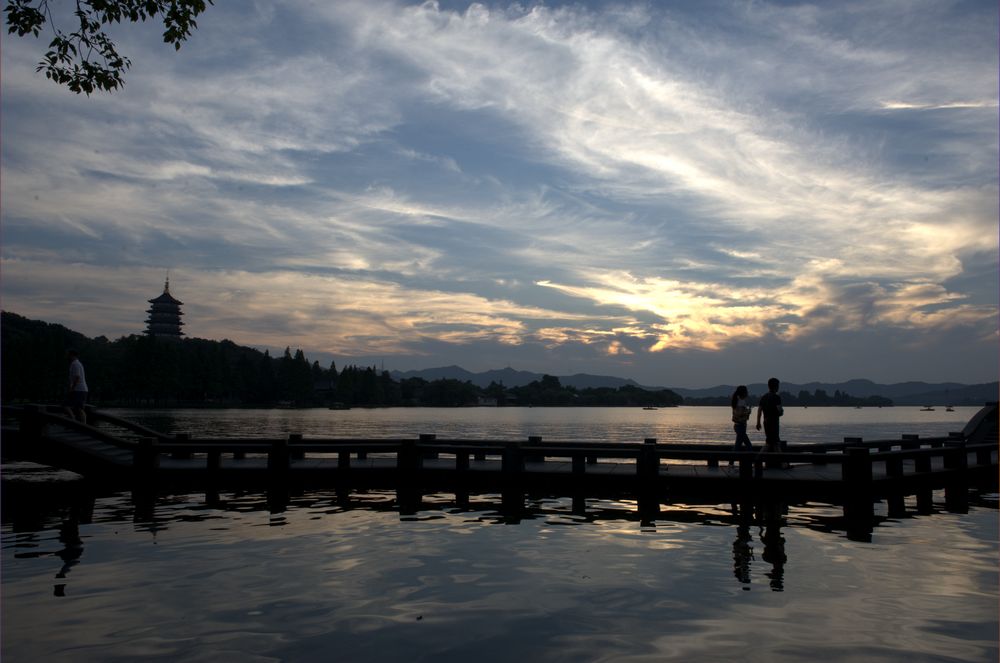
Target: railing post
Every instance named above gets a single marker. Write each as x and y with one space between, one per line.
956 489
428 437
857 470
512 464
408 460
293 440
185 454
145 458
534 440
213 462
277 459
32 426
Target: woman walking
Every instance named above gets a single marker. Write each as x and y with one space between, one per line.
741 415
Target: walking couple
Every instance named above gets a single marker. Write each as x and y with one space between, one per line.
769 408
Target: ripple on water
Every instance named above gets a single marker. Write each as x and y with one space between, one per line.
188 581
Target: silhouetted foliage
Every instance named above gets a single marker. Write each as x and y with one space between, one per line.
149 371
86 59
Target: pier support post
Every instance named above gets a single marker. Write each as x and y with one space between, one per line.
511 470
407 485
859 509
647 469
925 494
895 498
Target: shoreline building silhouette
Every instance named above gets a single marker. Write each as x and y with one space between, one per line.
165 315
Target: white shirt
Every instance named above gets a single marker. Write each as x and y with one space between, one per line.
76 375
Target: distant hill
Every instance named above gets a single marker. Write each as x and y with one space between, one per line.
513 378
901 393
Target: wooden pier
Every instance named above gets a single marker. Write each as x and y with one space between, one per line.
852 472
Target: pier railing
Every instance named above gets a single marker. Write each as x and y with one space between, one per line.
867 465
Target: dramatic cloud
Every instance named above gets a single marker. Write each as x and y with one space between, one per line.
643 189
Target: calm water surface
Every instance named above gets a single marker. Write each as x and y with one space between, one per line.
680 424
103 577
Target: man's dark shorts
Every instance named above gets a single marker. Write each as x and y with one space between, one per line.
75 399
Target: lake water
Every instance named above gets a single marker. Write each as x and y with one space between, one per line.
100 576
669 425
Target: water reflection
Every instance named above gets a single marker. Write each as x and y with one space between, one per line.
155 514
774 544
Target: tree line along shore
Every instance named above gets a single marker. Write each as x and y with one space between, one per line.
145 371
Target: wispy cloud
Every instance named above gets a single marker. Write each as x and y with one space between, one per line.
627 180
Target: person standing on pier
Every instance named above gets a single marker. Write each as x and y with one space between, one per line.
77 396
770 408
741 415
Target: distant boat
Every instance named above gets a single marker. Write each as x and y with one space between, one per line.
649 407
927 408
949 408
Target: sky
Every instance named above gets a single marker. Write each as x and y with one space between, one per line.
682 193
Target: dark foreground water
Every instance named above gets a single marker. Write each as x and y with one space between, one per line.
327 576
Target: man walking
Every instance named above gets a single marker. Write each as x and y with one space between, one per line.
770 408
77 396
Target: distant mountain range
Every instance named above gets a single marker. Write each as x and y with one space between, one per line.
513 378
901 393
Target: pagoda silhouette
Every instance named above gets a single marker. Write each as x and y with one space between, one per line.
165 315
